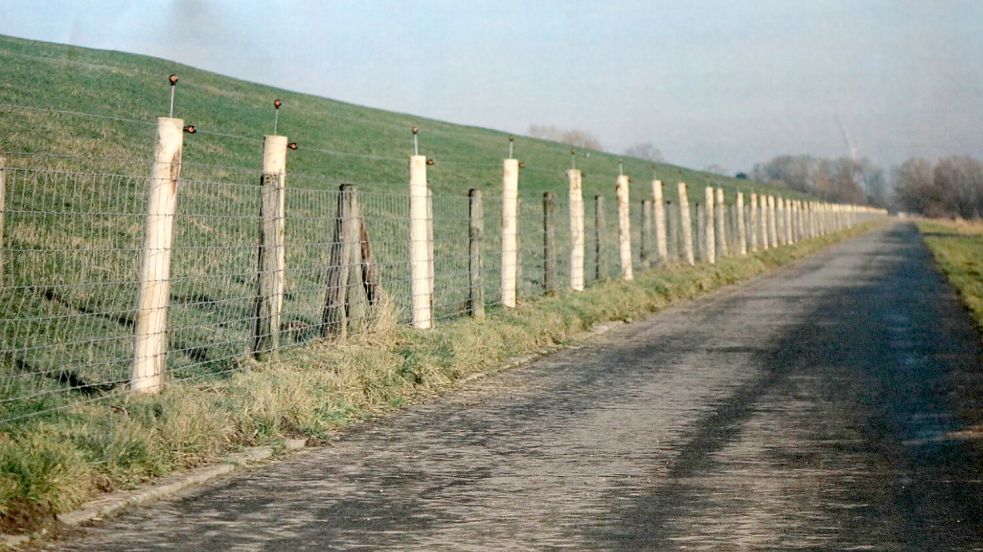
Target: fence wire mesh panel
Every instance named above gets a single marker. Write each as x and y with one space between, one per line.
492 249
70 254
451 255
213 277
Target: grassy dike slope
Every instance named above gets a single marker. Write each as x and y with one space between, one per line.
44 75
958 250
57 463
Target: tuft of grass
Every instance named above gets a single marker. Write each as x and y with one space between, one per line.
958 250
53 464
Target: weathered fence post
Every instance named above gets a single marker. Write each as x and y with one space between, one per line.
600 252
753 222
686 224
780 220
345 259
710 242
741 229
549 243
661 248
720 214
421 260
645 243
700 230
577 232
510 231
270 280
153 298
789 228
624 228
476 229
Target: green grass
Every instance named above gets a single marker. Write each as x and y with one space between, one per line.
75 201
76 194
958 250
54 463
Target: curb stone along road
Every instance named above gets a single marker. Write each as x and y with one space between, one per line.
826 406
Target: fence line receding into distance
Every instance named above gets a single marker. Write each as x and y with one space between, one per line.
115 282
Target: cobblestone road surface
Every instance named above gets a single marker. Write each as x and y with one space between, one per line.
825 406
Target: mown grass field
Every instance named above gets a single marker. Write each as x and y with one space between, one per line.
958 250
76 130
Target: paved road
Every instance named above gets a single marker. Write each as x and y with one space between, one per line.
824 406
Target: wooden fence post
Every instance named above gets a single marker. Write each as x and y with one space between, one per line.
600 250
699 241
421 259
685 224
345 261
549 243
789 229
720 212
624 228
672 232
153 298
270 280
710 242
476 229
741 229
510 231
645 241
577 232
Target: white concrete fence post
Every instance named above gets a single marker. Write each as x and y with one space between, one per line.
510 231
720 223
741 229
272 247
772 222
624 227
658 204
421 258
710 242
687 225
577 232
153 298
753 222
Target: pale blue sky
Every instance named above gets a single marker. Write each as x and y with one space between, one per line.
725 82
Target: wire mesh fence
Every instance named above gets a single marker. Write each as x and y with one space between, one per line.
73 225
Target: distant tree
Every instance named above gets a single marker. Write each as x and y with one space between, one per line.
645 150
843 180
573 137
953 187
914 188
741 176
796 171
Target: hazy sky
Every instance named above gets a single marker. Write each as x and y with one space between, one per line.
709 82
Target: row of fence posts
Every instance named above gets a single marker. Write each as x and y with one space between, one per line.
353 278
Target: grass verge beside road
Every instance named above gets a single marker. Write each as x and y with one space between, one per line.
52 464
958 250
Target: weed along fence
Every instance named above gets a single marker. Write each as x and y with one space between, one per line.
117 282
